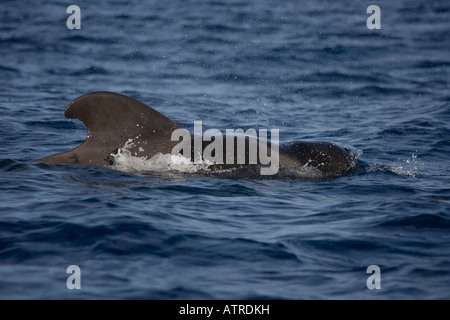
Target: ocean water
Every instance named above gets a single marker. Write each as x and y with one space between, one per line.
311 69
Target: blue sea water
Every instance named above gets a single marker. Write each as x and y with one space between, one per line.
311 69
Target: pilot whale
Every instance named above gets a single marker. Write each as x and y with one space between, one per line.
113 120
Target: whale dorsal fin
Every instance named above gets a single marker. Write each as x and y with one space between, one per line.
112 120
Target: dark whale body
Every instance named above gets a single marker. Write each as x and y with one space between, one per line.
113 120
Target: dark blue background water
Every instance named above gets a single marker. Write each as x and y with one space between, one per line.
309 68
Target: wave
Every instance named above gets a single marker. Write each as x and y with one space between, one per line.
406 167
8 69
87 39
51 124
428 64
20 40
421 221
90 70
12 165
340 76
210 39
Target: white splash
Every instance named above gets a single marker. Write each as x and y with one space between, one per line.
124 160
409 167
